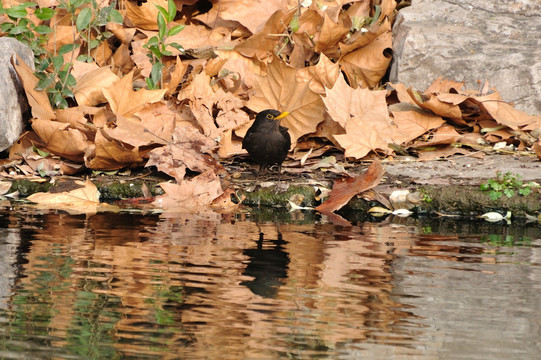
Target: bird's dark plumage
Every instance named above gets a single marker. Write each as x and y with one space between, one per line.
266 141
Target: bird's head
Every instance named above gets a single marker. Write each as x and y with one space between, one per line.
270 116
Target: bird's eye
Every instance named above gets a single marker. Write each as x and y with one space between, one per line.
269 116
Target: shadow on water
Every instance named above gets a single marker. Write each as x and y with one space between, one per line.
266 285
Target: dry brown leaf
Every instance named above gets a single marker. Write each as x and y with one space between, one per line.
189 149
110 154
345 189
101 54
412 124
175 76
190 195
26 141
89 88
367 65
80 68
61 139
77 118
363 114
506 114
537 149
281 90
144 16
330 34
81 200
437 106
124 101
250 14
324 74
445 135
215 110
38 100
140 58
195 37
402 93
261 44
443 86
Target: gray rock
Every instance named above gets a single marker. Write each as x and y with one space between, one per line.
13 103
472 41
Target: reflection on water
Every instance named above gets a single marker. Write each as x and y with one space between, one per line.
113 286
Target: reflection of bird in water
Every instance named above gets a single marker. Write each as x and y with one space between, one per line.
268 267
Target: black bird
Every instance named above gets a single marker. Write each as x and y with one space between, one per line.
266 141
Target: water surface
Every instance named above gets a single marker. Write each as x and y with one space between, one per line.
266 286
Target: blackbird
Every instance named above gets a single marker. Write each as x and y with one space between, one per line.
266 141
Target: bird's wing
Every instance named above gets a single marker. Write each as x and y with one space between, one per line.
246 137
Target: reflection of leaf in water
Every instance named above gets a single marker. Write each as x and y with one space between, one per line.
507 240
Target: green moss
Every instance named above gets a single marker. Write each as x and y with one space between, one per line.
27 187
123 190
270 197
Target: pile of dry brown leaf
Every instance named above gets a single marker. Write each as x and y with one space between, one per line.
321 61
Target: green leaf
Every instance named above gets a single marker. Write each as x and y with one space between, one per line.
83 19
525 191
376 14
150 84
172 11
70 81
77 3
67 48
509 192
7 26
41 65
93 43
66 92
84 58
58 61
28 4
175 30
162 11
107 34
59 101
294 23
162 26
43 30
44 84
484 186
177 46
495 195
16 12
44 13
115 17
156 72
156 51
19 29
40 152
152 41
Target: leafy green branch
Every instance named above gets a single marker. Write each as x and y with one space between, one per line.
157 45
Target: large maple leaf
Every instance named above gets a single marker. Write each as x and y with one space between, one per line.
363 114
283 90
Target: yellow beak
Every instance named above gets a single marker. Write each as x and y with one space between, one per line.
282 115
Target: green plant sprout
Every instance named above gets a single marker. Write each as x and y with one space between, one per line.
157 45
53 72
506 184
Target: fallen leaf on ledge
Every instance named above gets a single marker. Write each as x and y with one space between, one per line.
345 189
